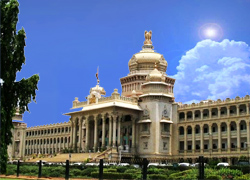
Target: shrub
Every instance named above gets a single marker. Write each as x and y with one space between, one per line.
88 171
157 176
214 177
75 172
121 169
243 177
155 170
229 173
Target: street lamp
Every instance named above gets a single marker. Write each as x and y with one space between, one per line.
120 153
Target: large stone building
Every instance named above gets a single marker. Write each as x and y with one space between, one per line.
145 120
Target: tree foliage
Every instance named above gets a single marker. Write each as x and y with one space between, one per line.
13 93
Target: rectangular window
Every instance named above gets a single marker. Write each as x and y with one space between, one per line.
223 146
205 146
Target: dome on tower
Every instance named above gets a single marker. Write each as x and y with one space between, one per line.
155 75
144 60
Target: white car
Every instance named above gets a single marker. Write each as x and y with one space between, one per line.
223 164
92 164
153 164
184 164
123 164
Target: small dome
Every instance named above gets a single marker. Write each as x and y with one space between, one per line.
155 75
98 90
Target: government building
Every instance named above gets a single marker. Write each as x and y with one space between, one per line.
144 121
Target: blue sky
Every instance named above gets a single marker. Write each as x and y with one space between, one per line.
67 40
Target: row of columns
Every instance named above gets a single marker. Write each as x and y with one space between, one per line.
219 112
114 123
46 146
219 137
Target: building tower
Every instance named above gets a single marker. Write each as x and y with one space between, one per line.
140 65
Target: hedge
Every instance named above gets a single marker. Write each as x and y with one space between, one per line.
157 176
113 175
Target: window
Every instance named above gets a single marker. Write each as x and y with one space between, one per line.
223 146
165 145
197 130
189 147
223 128
197 147
205 130
214 129
165 127
214 146
205 146
145 127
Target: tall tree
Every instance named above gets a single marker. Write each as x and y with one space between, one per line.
13 93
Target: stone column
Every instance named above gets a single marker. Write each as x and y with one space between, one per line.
133 134
193 138
95 134
210 113
238 135
228 111
185 140
201 114
71 133
170 139
210 139
110 132
114 130
219 112
80 134
193 114
185 115
74 135
219 137
248 134
103 132
228 137
87 135
238 110
119 132
201 136
247 106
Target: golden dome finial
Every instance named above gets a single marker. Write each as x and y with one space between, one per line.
148 36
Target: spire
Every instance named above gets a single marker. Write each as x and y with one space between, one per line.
96 75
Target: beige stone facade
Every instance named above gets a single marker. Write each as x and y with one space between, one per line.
146 121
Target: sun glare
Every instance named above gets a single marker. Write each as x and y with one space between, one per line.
211 31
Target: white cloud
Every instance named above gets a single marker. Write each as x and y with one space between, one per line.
213 70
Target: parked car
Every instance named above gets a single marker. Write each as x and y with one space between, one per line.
135 165
243 163
223 164
197 165
123 164
184 164
92 164
153 164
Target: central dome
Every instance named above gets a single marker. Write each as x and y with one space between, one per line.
145 60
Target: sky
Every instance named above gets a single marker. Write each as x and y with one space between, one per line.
206 44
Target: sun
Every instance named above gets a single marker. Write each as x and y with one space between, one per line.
211 31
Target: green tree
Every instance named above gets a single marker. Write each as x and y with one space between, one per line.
13 93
